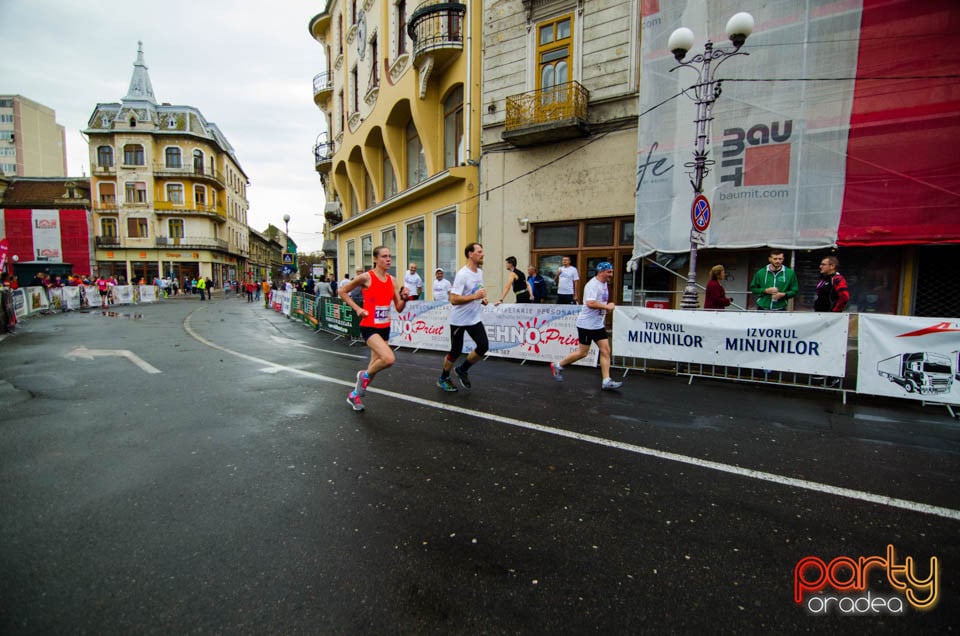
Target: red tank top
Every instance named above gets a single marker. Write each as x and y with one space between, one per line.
376 300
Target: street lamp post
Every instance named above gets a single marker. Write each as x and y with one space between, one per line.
286 236
706 92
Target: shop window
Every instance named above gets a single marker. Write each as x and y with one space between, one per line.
598 234
547 236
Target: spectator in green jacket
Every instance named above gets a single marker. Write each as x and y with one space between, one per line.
775 284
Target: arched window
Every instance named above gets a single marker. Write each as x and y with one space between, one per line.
416 160
554 55
108 227
105 156
175 228
369 195
453 129
172 157
198 161
133 155
389 179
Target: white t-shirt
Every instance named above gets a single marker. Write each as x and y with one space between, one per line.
413 283
465 283
589 317
567 277
441 289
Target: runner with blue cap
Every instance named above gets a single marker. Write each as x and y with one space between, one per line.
591 327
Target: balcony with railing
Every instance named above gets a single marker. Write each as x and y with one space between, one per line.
323 156
192 242
436 28
186 171
107 241
171 208
547 115
107 204
322 87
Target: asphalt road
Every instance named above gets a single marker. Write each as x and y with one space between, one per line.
194 467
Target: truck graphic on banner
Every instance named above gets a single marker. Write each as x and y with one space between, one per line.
920 372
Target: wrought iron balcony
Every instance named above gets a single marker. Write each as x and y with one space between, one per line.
323 156
436 28
189 171
547 115
108 241
192 242
169 208
322 87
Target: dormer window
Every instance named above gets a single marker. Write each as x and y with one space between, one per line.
133 122
172 122
104 121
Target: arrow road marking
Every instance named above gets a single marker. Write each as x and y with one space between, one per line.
90 354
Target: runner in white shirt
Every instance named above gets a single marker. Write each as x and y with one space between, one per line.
441 287
467 295
590 327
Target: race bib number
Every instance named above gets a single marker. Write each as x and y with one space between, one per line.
381 314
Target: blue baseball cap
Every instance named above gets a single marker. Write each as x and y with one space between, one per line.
604 266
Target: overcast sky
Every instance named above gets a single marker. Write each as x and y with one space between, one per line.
247 65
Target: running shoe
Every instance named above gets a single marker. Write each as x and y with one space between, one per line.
610 385
556 371
363 381
446 385
354 400
464 378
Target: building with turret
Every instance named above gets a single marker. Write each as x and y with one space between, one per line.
169 195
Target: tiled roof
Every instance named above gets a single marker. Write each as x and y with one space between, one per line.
40 192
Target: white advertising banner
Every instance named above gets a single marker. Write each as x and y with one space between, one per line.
20 302
546 333
778 341
46 235
65 298
148 294
36 300
123 295
909 357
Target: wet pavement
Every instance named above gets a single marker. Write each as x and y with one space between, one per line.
236 491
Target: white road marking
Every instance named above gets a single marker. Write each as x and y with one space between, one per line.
859 495
90 354
297 343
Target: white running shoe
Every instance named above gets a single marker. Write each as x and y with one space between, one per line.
610 385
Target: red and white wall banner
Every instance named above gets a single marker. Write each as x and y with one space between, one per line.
55 236
909 357
777 341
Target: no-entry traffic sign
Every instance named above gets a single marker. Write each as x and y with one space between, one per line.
700 213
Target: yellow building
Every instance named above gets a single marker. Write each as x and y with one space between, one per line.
401 96
169 195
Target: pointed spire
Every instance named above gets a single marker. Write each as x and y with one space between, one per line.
140 87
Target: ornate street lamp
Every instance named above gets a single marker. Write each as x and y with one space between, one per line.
706 92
